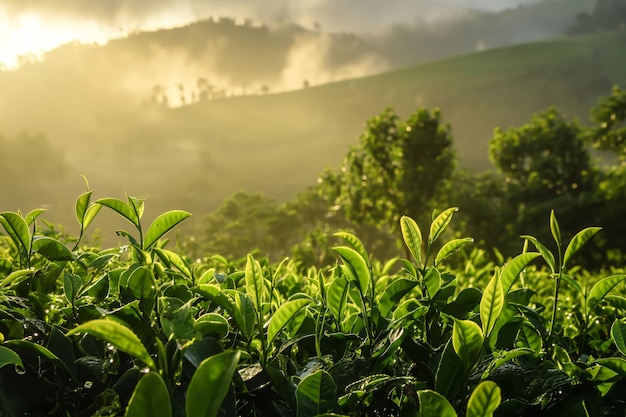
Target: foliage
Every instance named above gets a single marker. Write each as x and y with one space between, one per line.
141 329
396 170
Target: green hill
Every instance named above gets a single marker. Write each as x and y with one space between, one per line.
194 156
280 143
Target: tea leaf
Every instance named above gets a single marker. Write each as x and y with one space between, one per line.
119 336
255 282
555 229
578 241
440 223
17 229
8 357
467 340
163 224
601 289
32 216
355 243
394 293
210 384
51 249
491 304
412 237
337 296
484 400
283 316
618 334
356 265
120 207
545 252
513 268
433 404
82 204
449 247
316 394
150 398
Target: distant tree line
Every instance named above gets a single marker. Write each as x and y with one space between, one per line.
408 167
607 15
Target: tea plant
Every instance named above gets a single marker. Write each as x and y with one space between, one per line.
143 330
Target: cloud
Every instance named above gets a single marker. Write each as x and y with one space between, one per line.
339 15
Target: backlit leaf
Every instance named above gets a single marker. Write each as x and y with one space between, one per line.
316 394
17 229
51 249
618 334
150 398
163 224
467 340
120 207
210 384
449 247
412 237
578 241
601 289
433 404
355 243
484 400
440 223
119 336
491 304
357 266
513 268
285 313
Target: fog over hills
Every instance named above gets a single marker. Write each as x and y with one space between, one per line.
188 115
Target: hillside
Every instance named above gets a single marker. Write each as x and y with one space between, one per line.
194 156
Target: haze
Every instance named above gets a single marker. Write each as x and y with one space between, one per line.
34 26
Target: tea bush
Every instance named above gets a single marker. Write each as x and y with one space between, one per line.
141 330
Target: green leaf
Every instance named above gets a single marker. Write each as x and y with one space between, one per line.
555 229
484 400
394 293
355 243
601 289
449 247
163 224
440 223
529 337
211 324
578 241
51 249
615 364
513 268
142 284
72 284
545 252
40 351
570 281
337 296
467 340
125 210
17 276
432 280
316 394
356 265
119 336
8 357
285 313
82 204
210 384
412 237
90 214
618 334
255 282
450 377
491 304
150 398
17 229
171 258
433 404
32 216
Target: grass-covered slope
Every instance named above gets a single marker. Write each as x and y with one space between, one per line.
280 143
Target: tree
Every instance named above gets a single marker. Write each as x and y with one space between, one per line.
545 165
398 168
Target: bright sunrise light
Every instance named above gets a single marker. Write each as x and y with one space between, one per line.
29 34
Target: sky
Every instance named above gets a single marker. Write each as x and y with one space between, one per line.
34 26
